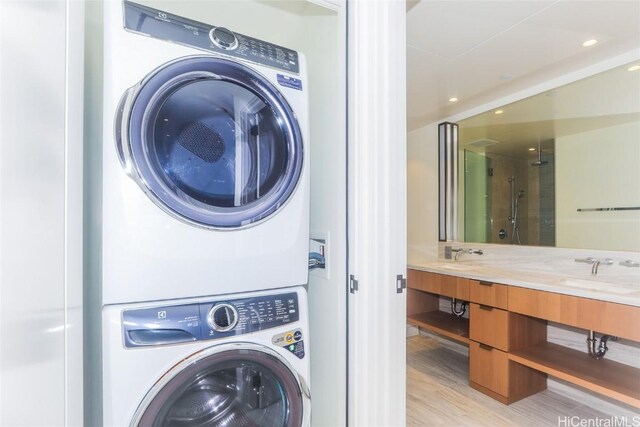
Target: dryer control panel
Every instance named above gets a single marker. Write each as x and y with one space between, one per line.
219 318
166 26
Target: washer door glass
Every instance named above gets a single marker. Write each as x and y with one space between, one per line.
232 388
213 142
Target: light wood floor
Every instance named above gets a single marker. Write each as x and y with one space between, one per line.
438 394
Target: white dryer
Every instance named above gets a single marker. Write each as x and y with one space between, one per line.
240 360
205 180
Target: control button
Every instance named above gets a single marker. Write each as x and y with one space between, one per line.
223 38
222 317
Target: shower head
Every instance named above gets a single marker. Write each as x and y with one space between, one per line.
539 162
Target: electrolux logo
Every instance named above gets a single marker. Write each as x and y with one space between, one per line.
576 421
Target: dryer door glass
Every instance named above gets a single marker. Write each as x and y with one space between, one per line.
214 143
232 388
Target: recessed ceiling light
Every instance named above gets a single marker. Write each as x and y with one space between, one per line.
454 99
532 149
499 111
589 42
634 68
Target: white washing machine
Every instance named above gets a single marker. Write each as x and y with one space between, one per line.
240 360
205 181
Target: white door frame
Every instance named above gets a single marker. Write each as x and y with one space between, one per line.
377 212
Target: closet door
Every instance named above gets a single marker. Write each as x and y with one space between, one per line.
377 213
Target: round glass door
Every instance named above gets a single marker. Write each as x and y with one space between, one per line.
213 142
240 388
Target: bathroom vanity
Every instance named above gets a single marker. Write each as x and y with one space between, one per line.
506 328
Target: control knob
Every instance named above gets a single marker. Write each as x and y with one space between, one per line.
222 317
223 38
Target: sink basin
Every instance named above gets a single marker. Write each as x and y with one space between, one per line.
614 288
455 267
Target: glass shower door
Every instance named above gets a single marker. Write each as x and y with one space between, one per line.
477 198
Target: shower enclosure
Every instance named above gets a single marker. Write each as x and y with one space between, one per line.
513 218
509 200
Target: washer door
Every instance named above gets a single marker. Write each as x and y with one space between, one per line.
211 141
245 385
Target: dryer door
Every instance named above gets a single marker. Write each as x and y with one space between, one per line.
211 141
237 385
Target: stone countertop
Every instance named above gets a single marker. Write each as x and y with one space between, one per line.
624 290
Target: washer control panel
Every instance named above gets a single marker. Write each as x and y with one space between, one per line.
223 38
174 324
222 317
166 26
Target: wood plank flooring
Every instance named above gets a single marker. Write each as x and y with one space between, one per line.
438 394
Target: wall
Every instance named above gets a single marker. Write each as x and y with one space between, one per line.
40 213
327 290
92 220
422 194
599 169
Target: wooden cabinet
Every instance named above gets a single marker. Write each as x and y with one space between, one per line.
488 293
440 284
423 301
505 330
493 333
489 326
491 372
605 317
509 356
488 368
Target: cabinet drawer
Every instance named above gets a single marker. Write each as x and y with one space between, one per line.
431 282
440 284
489 326
414 279
602 316
489 368
488 293
454 287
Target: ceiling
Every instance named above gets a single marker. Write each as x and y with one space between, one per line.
463 48
605 99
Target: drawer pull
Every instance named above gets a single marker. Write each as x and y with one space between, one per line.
485 283
485 307
486 347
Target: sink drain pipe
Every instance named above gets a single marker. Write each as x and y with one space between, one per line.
597 351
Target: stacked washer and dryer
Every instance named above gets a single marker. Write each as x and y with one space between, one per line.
205 219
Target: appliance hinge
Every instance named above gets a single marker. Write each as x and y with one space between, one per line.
401 283
353 284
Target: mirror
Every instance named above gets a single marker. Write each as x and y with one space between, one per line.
561 168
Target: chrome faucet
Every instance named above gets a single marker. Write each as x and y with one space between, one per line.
596 264
466 251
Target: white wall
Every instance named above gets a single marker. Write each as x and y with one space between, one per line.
40 213
327 294
422 194
599 169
